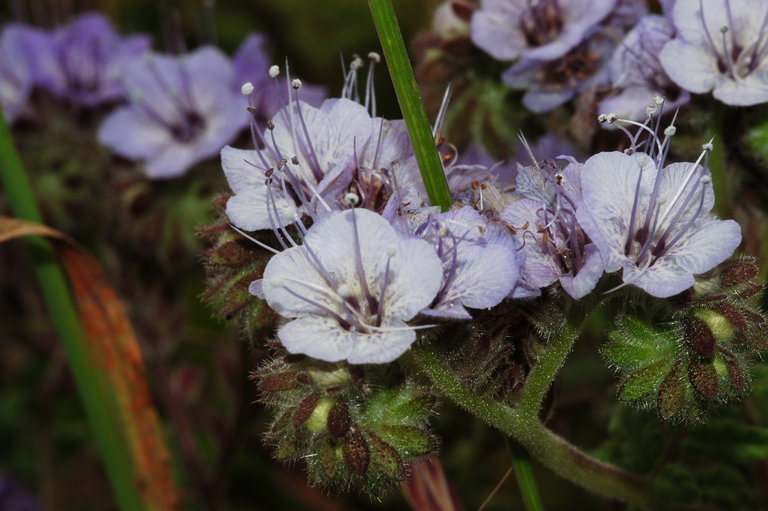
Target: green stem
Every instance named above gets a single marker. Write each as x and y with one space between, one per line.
717 163
411 104
526 480
524 426
99 405
541 376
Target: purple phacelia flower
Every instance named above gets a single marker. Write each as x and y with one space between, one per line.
541 30
252 65
479 258
20 49
543 217
181 110
652 220
637 73
349 289
549 84
86 60
311 161
721 46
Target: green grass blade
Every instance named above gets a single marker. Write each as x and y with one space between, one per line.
411 104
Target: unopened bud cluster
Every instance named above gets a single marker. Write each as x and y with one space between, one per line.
349 433
704 356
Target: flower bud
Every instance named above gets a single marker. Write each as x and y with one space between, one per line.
671 396
357 455
339 420
704 378
738 271
317 422
699 337
717 323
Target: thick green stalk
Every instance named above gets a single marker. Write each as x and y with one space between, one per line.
411 104
523 425
100 407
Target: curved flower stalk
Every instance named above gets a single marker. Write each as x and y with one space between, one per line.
85 61
637 73
351 286
651 219
181 110
543 217
721 46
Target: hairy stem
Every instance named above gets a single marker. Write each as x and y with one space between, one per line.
524 426
411 105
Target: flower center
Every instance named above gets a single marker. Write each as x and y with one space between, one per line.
734 59
542 22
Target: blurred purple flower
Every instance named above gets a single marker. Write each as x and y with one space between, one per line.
653 220
549 84
86 60
541 30
181 110
721 46
20 49
14 498
543 217
637 73
351 286
252 64
479 258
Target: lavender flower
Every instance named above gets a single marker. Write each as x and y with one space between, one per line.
543 217
351 286
86 60
542 30
479 258
316 160
722 46
637 72
181 110
19 50
653 220
549 84
252 65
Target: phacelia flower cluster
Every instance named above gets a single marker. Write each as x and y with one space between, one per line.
559 48
361 261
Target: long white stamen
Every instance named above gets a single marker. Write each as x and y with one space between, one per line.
694 168
251 238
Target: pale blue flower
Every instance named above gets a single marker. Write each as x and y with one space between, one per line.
349 289
721 46
543 218
181 110
652 220
637 74
480 262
